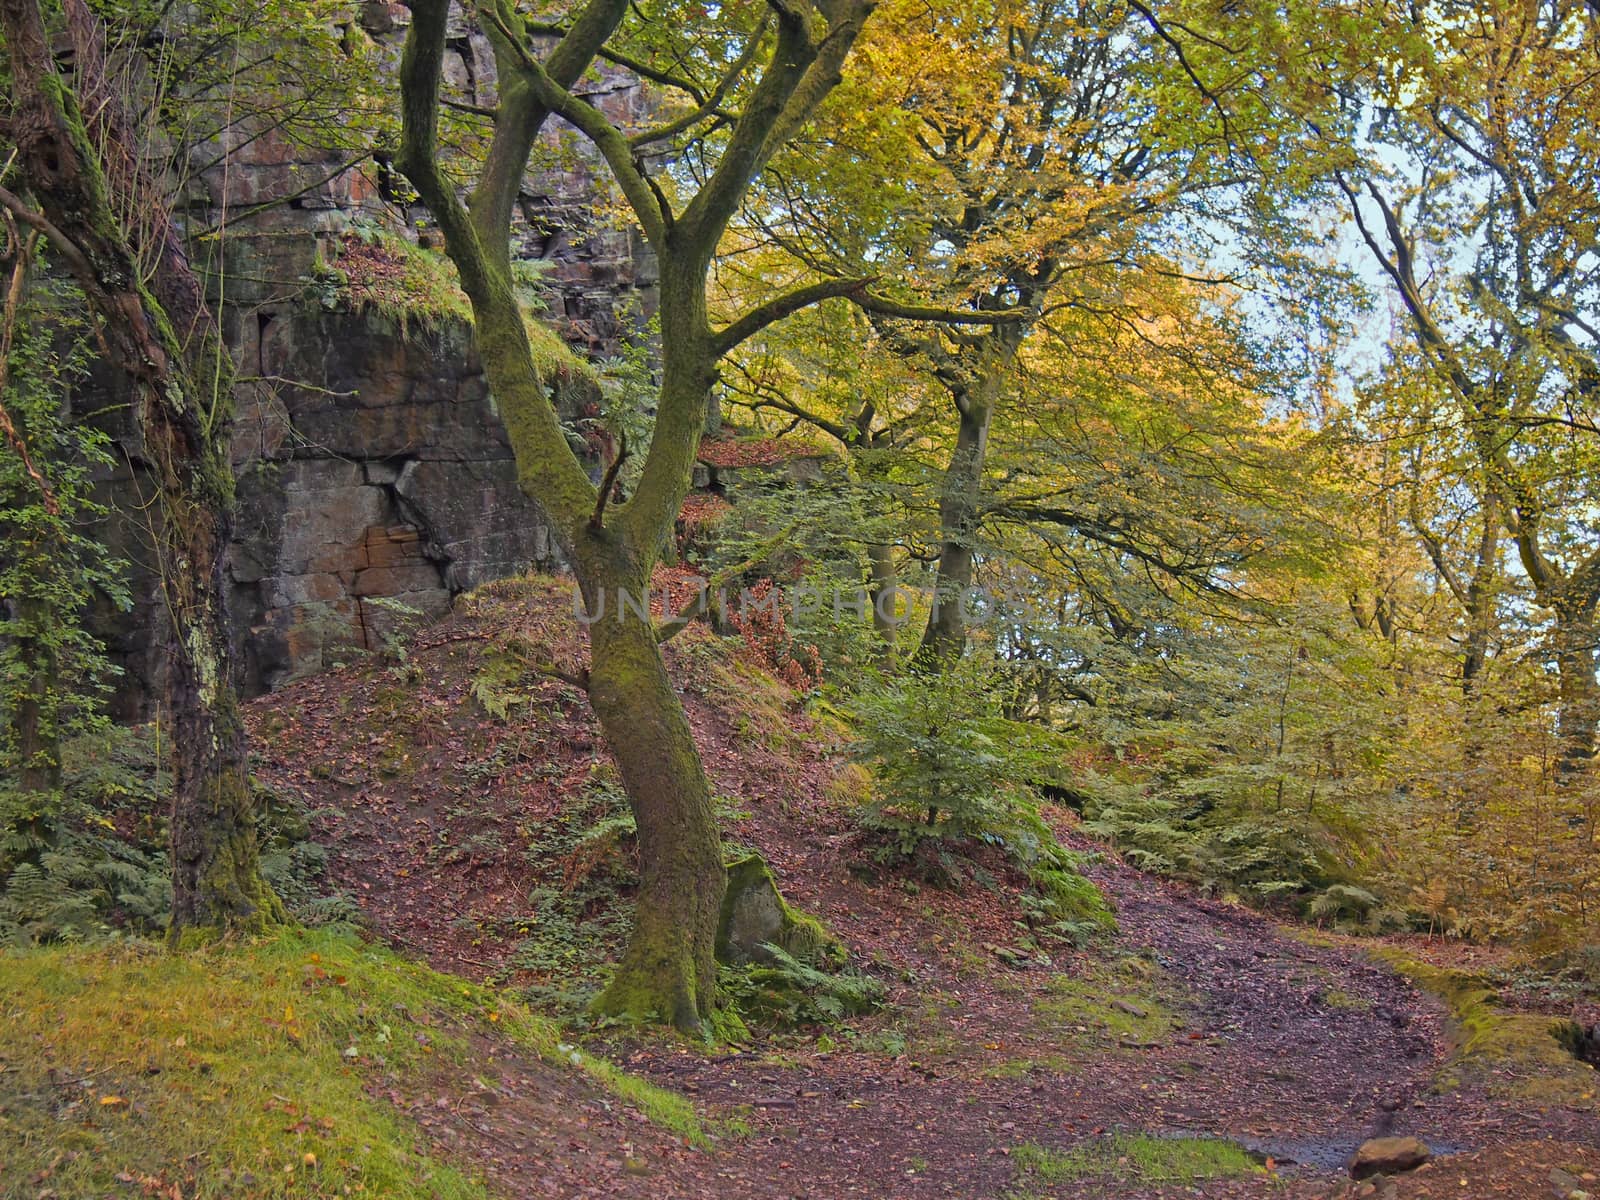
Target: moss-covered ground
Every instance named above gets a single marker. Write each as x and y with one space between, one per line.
249 1070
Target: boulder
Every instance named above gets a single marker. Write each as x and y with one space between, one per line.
755 916
1388 1156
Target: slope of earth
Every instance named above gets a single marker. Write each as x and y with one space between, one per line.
471 815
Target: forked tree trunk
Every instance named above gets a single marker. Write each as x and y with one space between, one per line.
668 970
181 405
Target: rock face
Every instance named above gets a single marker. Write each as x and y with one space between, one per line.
1388 1156
371 460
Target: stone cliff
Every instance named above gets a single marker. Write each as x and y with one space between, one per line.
371 461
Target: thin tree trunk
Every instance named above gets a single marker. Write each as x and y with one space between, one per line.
884 581
1480 605
181 404
33 724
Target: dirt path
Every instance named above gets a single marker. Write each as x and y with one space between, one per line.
1197 1019
1300 1052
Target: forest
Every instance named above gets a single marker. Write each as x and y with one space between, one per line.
799 598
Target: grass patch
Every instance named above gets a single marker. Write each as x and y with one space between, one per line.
1127 1000
1134 1158
1340 999
385 273
1020 1068
239 1071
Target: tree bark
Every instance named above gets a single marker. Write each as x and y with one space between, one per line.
669 969
33 724
944 640
181 405
1579 695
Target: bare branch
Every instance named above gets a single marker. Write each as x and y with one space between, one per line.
779 307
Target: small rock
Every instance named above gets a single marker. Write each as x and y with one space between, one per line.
1388 1156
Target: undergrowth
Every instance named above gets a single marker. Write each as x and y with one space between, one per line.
950 778
94 865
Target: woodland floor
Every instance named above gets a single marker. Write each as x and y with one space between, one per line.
1198 1018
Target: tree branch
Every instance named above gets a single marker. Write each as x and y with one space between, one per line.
779 307
707 598
8 329
711 104
597 521
884 307
645 200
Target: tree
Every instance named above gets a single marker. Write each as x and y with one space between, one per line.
80 165
1063 156
1479 198
767 74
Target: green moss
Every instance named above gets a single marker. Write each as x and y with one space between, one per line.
1519 1055
1136 1158
1340 999
798 933
383 273
220 1071
1018 1068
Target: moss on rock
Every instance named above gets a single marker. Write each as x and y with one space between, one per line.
755 916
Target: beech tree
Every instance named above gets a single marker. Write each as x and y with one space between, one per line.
765 75
81 167
1042 160
1482 210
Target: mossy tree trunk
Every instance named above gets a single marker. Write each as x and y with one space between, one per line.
1579 696
668 969
181 398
